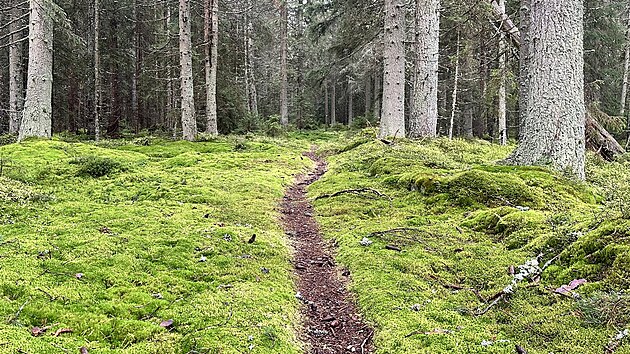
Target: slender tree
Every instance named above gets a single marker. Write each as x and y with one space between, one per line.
502 109
189 123
211 37
16 81
284 81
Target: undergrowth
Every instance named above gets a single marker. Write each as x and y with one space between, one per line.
471 219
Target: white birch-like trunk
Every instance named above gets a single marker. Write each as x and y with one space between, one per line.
189 123
552 131
284 84
502 109
424 113
393 113
37 115
16 81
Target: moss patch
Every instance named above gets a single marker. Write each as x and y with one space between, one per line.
474 220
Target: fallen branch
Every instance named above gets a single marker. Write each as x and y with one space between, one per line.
358 191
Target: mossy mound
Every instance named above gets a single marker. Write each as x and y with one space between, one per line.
472 220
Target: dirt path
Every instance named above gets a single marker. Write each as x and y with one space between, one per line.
330 318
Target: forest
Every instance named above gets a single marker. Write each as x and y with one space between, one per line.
314 176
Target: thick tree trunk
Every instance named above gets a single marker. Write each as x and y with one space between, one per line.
284 84
211 37
16 80
189 123
502 109
424 114
523 77
393 115
554 119
37 116
454 96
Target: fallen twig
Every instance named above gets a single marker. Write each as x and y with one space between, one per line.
365 341
357 191
17 314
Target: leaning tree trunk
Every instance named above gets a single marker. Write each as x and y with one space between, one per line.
393 114
16 81
189 124
211 37
424 114
284 84
554 120
37 115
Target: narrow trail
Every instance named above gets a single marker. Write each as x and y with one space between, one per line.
330 319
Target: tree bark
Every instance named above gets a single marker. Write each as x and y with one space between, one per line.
333 104
326 104
97 70
350 103
211 37
37 116
284 84
626 71
377 95
368 96
189 123
252 93
455 88
424 114
16 80
502 110
393 115
553 126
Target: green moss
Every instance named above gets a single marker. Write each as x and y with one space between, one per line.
136 235
470 233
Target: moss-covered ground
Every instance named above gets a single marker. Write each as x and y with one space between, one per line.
113 240
470 220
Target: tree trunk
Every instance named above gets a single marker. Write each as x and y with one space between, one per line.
113 123
393 115
333 104
284 84
252 95
135 112
554 120
350 104
326 104
424 114
189 123
211 37
377 96
368 96
97 70
16 78
523 76
626 71
502 109
455 88
37 116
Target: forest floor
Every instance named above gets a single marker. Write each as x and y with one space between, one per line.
150 246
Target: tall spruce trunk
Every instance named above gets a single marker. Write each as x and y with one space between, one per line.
211 37
16 80
502 109
252 93
424 111
37 115
97 70
284 83
368 95
189 123
393 114
553 125
377 95
333 103
326 104
350 103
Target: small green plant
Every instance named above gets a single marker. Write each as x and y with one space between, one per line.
605 309
96 166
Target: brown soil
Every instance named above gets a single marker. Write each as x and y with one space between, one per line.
330 318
